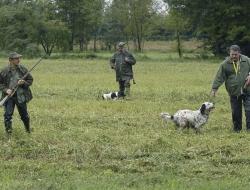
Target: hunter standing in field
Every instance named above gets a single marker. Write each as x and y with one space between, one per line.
122 62
234 71
9 77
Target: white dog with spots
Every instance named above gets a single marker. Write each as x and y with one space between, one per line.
111 95
189 118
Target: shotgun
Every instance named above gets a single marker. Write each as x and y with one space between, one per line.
15 87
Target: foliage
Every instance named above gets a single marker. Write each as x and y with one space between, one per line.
139 18
80 141
22 29
83 18
12 20
111 30
219 23
67 25
25 46
53 34
176 22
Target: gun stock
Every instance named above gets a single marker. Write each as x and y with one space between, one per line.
4 100
134 81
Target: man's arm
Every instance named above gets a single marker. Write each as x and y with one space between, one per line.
129 58
112 62
218 81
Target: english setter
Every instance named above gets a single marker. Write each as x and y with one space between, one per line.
112 95
189 118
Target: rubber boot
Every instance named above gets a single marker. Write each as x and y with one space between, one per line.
26 123
8 127
237 127
121 94
122 88
247 114
127 91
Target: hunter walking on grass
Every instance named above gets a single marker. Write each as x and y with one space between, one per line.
122 62
9 77
235 71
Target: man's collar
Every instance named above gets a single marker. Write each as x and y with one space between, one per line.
18 66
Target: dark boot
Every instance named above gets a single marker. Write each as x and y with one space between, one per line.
237 127
8 127
26 123
122 88
248 127
127 91
247 114
121 94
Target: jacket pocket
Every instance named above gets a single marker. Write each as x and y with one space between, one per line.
233 89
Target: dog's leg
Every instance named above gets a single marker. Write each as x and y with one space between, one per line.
182 126
197 129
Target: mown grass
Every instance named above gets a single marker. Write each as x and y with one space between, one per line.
80 141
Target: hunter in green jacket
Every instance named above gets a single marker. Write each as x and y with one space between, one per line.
10 77
122 62
235 71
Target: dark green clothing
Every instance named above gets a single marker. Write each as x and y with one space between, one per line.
6 75
234 83
123 69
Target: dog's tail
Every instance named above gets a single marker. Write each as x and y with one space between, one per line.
166 116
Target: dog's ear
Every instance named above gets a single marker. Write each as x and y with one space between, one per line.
202 109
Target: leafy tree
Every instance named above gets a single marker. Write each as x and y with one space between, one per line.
111 30
68 10
13 33
83 18
137 18
218 23
98 6
23 27
175 22
52 34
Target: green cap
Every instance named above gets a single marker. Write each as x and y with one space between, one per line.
13 55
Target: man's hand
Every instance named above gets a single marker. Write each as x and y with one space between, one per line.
126 59
9 91
247 82
114 67
213 94
20 82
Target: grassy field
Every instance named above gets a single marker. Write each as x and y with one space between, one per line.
80 141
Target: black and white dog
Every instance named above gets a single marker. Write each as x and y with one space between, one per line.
111 95
189 118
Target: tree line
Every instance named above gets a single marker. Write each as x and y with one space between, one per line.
218 23
26 25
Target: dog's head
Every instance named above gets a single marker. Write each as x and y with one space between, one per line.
207 107
114 95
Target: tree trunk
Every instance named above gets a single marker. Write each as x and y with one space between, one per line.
179 43
95 49
139 43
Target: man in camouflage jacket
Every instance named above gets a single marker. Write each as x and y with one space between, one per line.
9 77
122 62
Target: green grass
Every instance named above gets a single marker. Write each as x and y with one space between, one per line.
80 141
